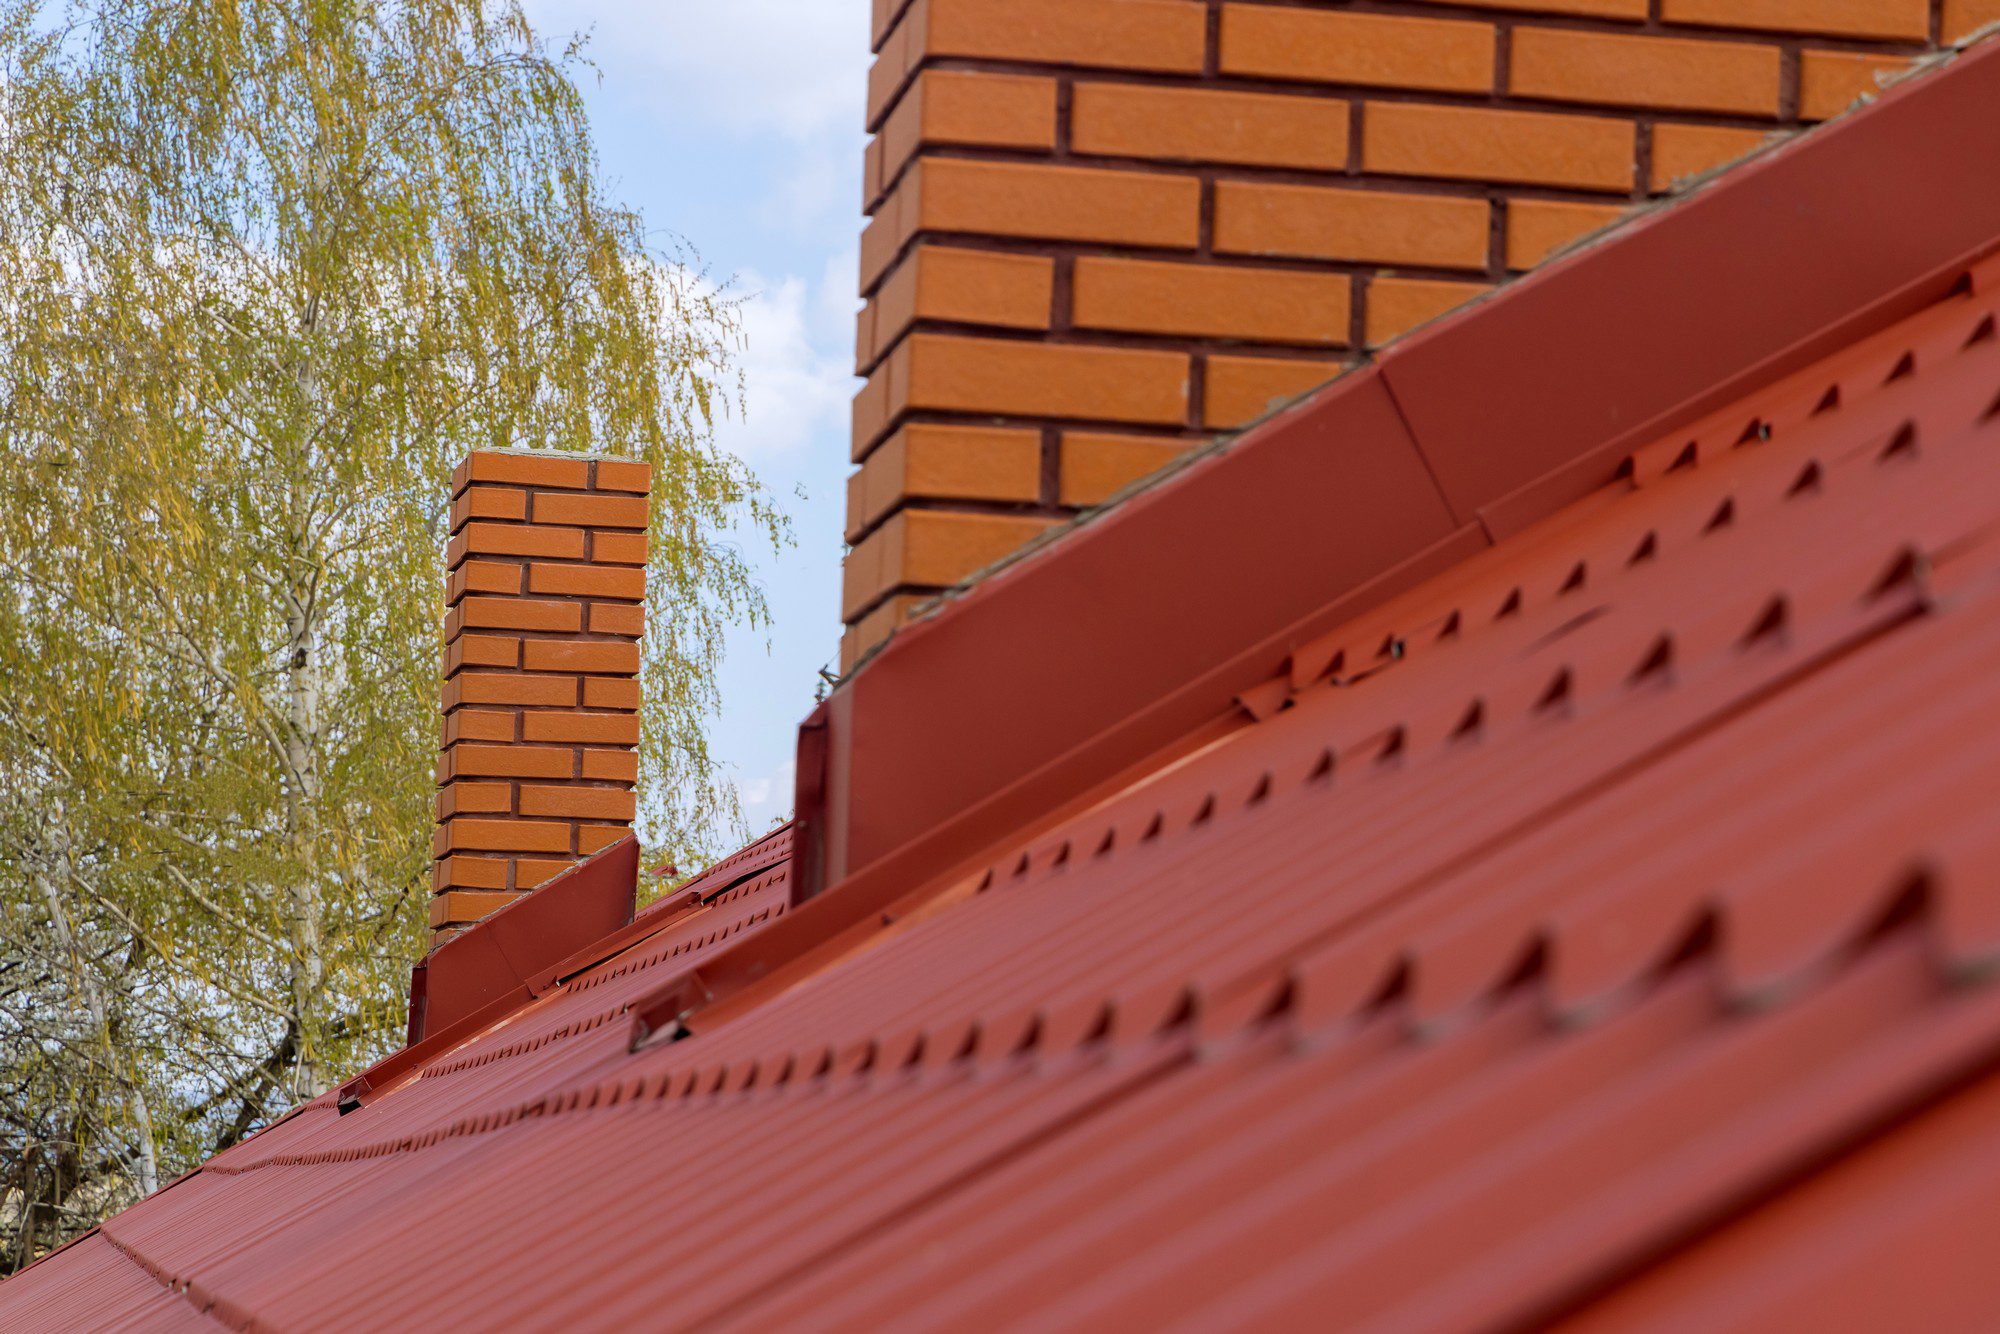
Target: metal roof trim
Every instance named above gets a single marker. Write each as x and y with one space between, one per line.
1026 678
498 957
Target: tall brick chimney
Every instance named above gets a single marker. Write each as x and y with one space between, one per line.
1103 230
541 694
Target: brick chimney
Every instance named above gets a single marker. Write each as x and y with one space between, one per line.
1103 230
541 695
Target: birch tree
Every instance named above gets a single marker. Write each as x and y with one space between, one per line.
267 269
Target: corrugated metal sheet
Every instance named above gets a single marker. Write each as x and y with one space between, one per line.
1606 929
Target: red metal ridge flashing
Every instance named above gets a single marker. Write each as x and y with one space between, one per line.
1529 403
387 1074
1051 676
463 989
752 859
498 959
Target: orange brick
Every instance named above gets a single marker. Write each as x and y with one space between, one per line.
597 581
513 539
1905 19
859 511
473 872
622 475
462 907
1241 389
890 229
864 327
534 872
1031 379
963 107
588 655
858 639
877 625
460 798
1257 305
1570 66
1832 81
1682 151
519 614
971 463
595 838
1396 305
895 60
1538 227
611 618
1026 199
590 511
601 692
873 178
945 462
1373 226
509 688
481 651
882 13
455 799
1477 144
521 469
1962 18
1441 55
941 548
479 576
1608 9
873 629
1095 466
1164 35
488 502
931 548
1201 125
505 835
590 729
618 548
478 725
963 286
581 803
871 413
513 761
865 569
616 766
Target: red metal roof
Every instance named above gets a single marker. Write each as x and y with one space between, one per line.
1603 928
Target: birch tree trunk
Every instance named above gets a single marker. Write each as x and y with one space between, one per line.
86 985
307 965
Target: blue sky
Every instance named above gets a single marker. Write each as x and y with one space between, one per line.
739 126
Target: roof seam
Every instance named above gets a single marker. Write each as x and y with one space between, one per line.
1296 1000
203 1302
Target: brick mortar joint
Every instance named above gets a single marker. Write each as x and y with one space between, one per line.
1502 25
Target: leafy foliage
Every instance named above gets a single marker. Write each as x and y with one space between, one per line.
267 269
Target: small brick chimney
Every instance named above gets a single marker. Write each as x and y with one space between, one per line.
546 605
1103 230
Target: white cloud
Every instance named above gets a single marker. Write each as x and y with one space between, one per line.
834 311
797 362
768 798
794 66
